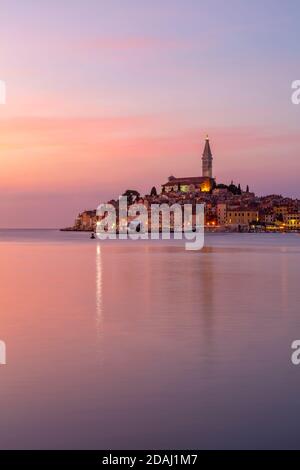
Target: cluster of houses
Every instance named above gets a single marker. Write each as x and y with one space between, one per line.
227 207
224 209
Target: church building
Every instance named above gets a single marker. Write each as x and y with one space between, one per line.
204 183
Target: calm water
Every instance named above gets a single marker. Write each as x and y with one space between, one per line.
144 345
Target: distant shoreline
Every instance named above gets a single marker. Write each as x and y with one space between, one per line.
206 230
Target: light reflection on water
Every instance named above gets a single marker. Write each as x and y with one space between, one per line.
98 287
118 345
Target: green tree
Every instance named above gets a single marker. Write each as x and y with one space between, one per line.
153 192
131 195
233 188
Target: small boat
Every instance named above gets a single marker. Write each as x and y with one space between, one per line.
92 236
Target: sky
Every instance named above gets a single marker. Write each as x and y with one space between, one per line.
108 96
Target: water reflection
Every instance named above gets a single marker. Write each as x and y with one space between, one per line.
99 281
284 282
148 346
208 277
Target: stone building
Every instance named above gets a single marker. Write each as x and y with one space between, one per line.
190 184
241 216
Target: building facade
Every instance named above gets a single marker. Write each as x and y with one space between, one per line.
292 221
192 184
207 160
241 217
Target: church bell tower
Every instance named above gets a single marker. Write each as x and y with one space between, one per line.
207 160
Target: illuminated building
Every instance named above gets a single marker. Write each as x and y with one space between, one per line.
204 183
207 160
292 221
241 216
221 213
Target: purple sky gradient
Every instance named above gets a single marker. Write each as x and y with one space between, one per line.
103 96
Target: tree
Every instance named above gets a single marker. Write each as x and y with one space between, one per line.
247 189
153 192
233 188
131 195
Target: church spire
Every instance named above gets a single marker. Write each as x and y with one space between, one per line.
207 160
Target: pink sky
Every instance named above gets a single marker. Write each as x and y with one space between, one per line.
101 103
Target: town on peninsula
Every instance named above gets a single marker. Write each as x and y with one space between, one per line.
226 207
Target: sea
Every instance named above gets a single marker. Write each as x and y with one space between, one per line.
145 345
